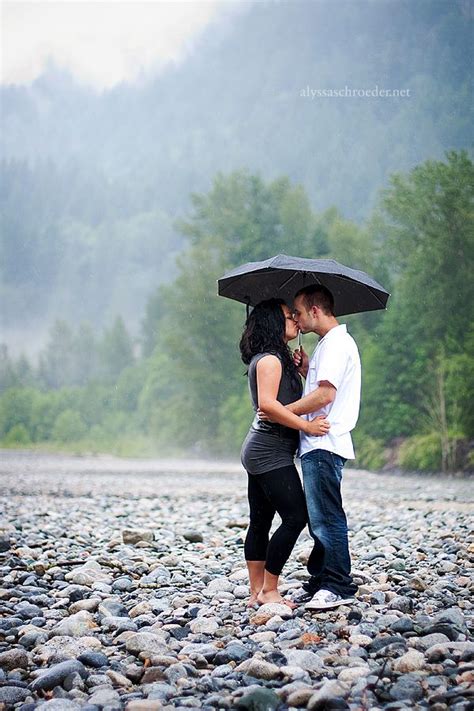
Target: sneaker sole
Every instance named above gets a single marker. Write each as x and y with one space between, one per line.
302 598
328 605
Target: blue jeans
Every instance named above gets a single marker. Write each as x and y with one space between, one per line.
329 563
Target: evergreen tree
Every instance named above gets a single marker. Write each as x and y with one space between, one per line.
430 320
57 361
7 372
116 350
86 360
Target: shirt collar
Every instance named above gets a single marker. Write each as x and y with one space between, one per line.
335 332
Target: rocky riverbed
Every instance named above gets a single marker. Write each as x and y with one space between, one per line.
123 586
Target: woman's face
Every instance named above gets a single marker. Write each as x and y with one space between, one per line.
291 329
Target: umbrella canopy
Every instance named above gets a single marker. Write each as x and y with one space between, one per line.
282 276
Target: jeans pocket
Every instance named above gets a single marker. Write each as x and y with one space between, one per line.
337 460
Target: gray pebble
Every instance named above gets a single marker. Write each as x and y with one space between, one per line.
171 613
55 675
13 694
14 659
406 688
93 659
193 536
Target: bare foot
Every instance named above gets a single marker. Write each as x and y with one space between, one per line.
253 600
274 596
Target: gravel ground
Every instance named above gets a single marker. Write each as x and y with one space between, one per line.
123 586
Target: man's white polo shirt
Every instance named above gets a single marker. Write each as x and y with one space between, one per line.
335 359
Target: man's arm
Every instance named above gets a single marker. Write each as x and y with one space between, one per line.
322 396
269 372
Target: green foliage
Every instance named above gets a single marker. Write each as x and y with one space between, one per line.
350 244
93 402
370 453
240 219
18 435
14 373
432 244
425 228
203 361
188 392
86 357
429 223
116 351
68 427
421 453
459 388
128 387
157 390
235 416
115 424
16 406
470 461
394 371
173 431
246 215
78 358
77 250
150 325
59 360
45 408
121 163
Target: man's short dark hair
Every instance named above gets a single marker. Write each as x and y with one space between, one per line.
317 295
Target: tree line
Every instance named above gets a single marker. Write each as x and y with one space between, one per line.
84 194
183 387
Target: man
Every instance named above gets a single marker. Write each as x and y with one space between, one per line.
332 388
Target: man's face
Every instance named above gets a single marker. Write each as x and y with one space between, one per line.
303 317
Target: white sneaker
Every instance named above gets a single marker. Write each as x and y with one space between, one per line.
325 600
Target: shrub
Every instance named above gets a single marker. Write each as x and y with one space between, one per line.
69 427
370 453
168 430
17 435
470 460
116 423
421 453
16 406
128 388
235 416
44 410
93 402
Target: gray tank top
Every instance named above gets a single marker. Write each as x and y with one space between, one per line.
288 391
269 445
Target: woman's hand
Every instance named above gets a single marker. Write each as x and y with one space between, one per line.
318 427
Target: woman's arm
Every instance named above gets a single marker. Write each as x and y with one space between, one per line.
269 372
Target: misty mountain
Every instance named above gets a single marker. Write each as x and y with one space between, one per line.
92 182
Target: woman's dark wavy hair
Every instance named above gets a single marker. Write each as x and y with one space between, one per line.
264 332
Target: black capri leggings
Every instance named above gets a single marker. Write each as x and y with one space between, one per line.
279 491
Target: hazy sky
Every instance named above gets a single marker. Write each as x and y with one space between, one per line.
100 42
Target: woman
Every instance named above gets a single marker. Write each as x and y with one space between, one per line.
269 448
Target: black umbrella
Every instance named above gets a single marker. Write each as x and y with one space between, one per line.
282 276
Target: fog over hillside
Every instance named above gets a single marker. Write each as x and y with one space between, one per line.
93 181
